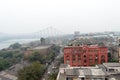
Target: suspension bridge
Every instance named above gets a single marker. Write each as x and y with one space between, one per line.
48 32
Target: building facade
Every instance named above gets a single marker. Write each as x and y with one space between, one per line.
119 54
85 55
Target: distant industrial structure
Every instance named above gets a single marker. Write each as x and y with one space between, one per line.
85 55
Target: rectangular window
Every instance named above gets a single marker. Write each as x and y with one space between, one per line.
79 61
79 57
90 57
68 61
74 61
69 78
111 70
90 60
96 61
73 57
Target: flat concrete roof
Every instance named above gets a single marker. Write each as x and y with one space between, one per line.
111 64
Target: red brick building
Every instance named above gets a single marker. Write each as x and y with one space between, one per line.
85 55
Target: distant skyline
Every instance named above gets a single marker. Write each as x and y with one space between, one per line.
27 16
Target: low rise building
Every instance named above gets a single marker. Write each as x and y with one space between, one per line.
105 71
81 73
85 55
112 70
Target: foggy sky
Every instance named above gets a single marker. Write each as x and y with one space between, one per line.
26 16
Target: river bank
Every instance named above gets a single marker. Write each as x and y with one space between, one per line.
7 43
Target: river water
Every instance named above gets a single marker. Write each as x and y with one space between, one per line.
7 43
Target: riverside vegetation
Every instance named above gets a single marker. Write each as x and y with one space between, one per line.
38 62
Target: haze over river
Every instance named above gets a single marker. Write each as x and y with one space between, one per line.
7 43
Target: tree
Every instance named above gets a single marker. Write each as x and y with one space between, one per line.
15 46
3 64
45 58
101 44
42 41
33 72
6 54
37 57
53 76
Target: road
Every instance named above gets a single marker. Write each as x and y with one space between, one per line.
50 67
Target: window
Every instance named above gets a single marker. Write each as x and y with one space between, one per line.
84 56
111 70
102 59
74 61
68 61
91 61
84 51
69 78
82 79
85 65
96 61
79 61
91 50
106 78
73 57
85 61
79 57
96 51
88 50
67 57
90 57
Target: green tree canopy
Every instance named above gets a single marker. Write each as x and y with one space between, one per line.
15 46
3 64
33 72
53 76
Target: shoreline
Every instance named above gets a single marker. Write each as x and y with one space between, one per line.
7 43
